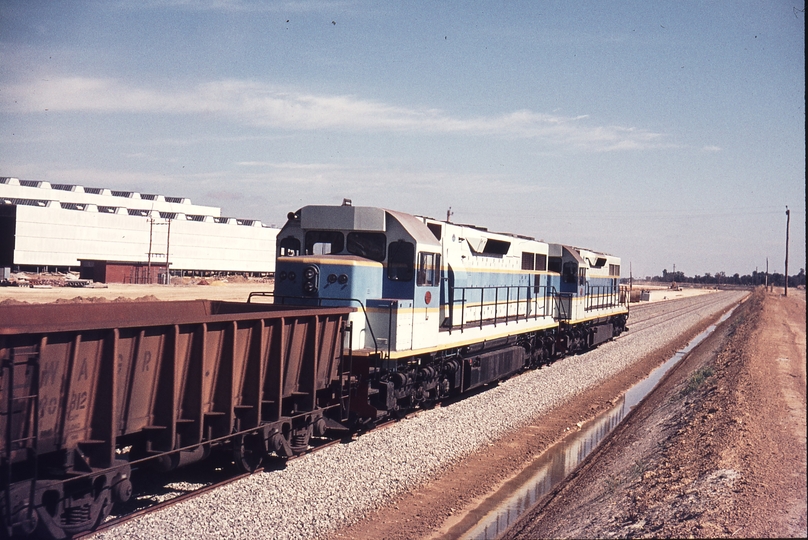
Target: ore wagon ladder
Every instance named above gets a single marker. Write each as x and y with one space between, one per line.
21 417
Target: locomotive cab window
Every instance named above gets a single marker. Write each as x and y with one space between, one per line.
436 229
290 247
428 269
554 265
324 242
367 244
400 261
570 273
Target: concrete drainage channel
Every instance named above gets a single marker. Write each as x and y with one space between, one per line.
517 496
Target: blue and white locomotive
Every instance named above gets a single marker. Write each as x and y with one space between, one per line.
444 308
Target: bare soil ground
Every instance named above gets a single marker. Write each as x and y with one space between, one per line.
717 450
212 290
438 509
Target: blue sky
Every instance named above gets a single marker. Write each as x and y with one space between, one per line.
662 132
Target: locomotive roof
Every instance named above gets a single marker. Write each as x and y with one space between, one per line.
416 228
365 218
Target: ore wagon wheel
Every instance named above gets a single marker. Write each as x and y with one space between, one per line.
248 452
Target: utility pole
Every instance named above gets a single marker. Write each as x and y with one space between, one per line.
767 273
148 263
168 240
788 225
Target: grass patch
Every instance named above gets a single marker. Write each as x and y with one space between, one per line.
640 467
611 483
697 378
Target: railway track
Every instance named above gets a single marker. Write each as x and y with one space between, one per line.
115 521
647 319
354 459
185 494
650 315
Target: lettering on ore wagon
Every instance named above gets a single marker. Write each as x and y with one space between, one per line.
47 407
78 402
48 374
146 360
83 374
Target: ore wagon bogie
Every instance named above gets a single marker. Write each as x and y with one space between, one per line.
374 313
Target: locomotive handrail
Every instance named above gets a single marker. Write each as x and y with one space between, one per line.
558 296
319 304
601 296
529 301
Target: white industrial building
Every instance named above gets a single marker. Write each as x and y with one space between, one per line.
65 226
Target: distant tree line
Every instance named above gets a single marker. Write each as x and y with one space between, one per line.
720 278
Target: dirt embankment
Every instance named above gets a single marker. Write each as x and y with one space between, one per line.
438 509
718 450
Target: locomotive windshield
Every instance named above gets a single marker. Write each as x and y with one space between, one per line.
367 244
290 247
370 245
324 242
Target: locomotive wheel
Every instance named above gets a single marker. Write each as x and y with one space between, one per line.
24 523
248 453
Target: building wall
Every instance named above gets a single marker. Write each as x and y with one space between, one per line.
52 232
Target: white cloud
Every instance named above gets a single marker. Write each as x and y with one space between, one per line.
263 106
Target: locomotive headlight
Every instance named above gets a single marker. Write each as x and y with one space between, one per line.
281 276
343 279
292 276
332 278
310 278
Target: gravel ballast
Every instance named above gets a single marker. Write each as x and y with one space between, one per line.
329 489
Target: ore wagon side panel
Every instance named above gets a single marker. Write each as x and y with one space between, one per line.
273 360
329 350
248 374
54 362
79 396
139 358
